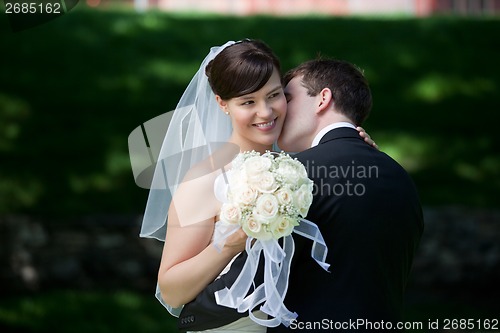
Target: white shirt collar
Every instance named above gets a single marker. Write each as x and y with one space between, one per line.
327 129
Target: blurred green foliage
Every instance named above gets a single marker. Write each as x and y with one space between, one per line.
84 312
73 89
131 312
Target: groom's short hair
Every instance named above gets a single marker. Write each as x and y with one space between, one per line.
350 90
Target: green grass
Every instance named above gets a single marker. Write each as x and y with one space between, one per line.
72 90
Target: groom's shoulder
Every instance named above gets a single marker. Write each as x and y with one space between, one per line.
324 149
307 154
340 151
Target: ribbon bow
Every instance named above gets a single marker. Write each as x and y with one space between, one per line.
277 261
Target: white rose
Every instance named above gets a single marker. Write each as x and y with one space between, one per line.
282 226
236 177
265 182
266 208
244 195
256 165
230 213
303 198
237 182
284 196
288 172
302 181
300 168
292 171
254 228
237 162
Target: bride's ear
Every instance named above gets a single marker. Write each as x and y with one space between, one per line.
222 104
325 100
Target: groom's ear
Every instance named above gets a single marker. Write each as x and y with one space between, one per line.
325 100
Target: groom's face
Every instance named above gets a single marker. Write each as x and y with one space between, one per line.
299 127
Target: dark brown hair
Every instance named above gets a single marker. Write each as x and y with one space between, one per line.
241 68
350 90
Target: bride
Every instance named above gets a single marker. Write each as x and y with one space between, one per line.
234 103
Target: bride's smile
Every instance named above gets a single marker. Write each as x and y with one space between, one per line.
266 126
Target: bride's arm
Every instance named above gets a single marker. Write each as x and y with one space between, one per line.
189 262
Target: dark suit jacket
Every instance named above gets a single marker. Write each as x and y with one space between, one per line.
204 313
369 214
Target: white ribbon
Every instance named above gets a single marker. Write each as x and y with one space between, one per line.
319 249
277 261
222 232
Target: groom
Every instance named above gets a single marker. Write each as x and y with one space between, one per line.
365 205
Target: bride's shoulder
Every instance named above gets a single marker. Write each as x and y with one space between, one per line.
206 176
203 171
194 198
213 165
200 180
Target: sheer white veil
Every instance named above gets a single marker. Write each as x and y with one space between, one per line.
196 128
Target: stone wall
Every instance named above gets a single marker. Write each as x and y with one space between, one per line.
460 249
89 252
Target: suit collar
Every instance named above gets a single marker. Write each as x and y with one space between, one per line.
341 133
327 129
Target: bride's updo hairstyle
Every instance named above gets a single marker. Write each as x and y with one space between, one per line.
241 69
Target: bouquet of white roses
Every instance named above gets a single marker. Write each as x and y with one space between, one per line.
267 194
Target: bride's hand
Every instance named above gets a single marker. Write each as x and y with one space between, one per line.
236 242
366 136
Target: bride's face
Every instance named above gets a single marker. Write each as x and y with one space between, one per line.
257 118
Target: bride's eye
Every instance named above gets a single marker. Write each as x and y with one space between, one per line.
274 95
247 103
